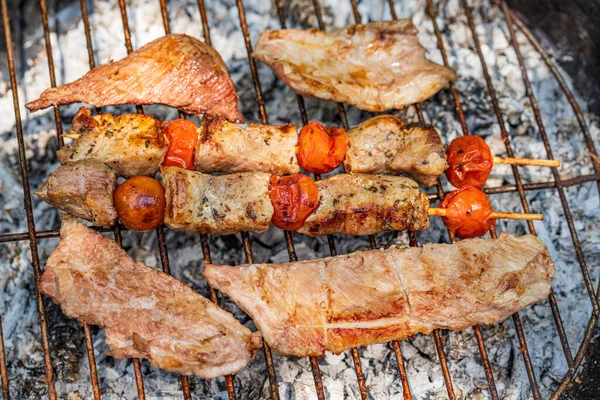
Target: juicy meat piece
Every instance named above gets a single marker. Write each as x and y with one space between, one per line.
175 70
387 145
84 189
146 313
226 147
304 308
367 204
221 205
132 144
376 67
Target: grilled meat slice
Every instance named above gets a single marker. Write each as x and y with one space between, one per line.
304 308
146 313
221 205
132 144
387 145
361 204
176 70
84 189
226 147
376 67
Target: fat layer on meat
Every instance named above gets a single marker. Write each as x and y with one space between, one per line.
220 205
132 144
377 66
229 148
146 312
359 204
175 70
84 189
387 145
304 308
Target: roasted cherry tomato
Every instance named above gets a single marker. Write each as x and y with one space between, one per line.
470 161
468 212
294 198
321 149
140 203
183 136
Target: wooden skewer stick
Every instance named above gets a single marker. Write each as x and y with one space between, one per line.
526 161
441 212
71 135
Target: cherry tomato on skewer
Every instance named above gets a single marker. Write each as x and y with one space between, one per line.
470 161
140 203
468 212
294 198
183 136
320 149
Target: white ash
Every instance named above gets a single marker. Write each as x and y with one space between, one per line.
18 310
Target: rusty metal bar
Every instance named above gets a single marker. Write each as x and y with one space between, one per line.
3 371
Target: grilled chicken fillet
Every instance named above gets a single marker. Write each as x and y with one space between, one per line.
377 66
387 145
146 313
175 70
305 308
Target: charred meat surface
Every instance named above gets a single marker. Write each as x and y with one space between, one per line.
146 313
221 205
226 147
175 70
375 296
387 145
377 66
84 189
358 204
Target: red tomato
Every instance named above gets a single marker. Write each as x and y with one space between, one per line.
321 149
468 212
470 161
140 203
183 136
294 198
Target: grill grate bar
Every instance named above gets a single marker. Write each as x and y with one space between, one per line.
3 371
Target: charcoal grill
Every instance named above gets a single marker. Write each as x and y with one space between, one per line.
513 22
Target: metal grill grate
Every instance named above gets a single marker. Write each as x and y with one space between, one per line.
558 184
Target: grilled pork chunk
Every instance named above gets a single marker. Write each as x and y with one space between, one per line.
132 144
221 205
84 189
176 70
387 145
226 147
146 313
304 308
376 67
367 204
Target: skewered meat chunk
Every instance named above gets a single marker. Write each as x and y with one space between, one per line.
175 70
132 144
226 147
146 313
367 204
387 145
221 205
84 189
336 303
377 66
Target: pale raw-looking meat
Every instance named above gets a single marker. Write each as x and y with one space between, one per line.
336 303
146 312
229 148
132 144
175 70
221 205
377 66
84 189
387 145
359 204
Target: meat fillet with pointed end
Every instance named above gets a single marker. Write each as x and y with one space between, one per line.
146 312
132 144
336 303
175 70
221 205
360 204
387 145
84 189
227 147
376 67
